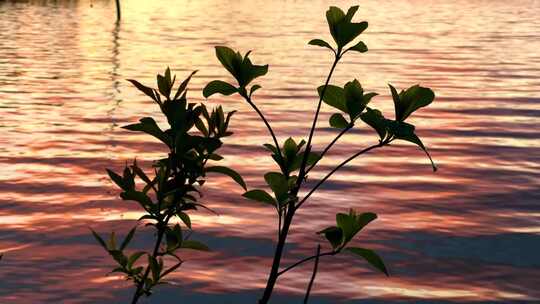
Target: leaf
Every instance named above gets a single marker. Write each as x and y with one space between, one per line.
359 47
173 268
185 218
174 238
405 131
312 158
146 90
279 185
253 89
334 96
347 32
228 58
354 98
370 256
321 43
249 71
341 28
260 196
351 223
271 148
195 245
334 235
183 85
338 121
410 100
137 196
134 257
290 148
154 267
218 86
117 179
149 126
228 171
376 120
164 86
128 238
99 239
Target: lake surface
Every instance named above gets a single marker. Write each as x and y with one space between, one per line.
469 233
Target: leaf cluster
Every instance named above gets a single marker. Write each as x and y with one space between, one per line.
193 138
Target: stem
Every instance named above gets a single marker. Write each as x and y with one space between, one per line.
250 102
330 146
118 14
138 292
336 169
272 278
330 253
302 171
315 266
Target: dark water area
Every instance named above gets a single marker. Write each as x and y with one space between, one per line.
469 233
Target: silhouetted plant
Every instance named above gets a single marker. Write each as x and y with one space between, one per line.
296 159
192 140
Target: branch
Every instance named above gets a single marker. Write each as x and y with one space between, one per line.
330 146
302 172
250 102
306 260
315 266
337 168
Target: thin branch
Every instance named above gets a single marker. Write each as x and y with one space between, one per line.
336 169
250 102
302 172
307 260
315 267
330 146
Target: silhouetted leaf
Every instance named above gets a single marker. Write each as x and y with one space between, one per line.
195 245
185 218
312 158
133 258
260 196
370 256
183 85
146 90
99 239
228 171
352 223
334 235
320 42
218 86
164 86
376 120
341 28
117 179
359 47
137 196
149 126
253 89
354 98
154 267
338 121
279 185
128 238
405 131
228 58
410 100
334 96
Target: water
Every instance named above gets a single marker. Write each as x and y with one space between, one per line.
466 234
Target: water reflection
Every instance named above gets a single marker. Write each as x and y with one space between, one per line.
467 234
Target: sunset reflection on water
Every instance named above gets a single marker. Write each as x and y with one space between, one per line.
469 233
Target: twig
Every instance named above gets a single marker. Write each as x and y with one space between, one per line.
336 169
315 266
